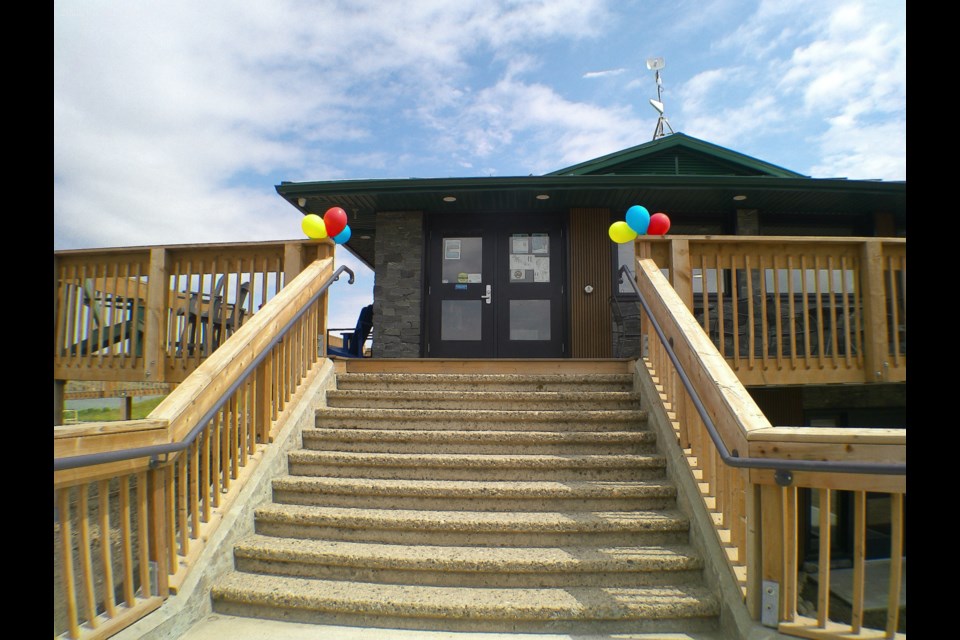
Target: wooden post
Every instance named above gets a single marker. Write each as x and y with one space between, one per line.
58 400
292 261
754 547
681 275
874 311
158 286
127 406
772 538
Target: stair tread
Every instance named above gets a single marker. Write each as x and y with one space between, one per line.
480 435
471 558
488 414
580 603
474 459
544 396
478 488
579 521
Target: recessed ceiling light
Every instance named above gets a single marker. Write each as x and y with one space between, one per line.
543 196
739 198
449 198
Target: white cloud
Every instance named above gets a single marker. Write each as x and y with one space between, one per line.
603 74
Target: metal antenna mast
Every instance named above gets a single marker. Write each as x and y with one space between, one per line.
655 64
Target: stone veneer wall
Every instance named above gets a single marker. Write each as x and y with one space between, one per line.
398 282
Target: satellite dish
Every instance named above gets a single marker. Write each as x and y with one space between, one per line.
654 64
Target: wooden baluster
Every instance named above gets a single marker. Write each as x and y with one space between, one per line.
721 342
821 343
193 454
823 580
833 312
143 531
735 312
859 558
170 519
896 563
103 495
205 480
215 465
764 322
805 306
778 336
86 564
157 527
751 339
126 538
66 549
788 589
182 521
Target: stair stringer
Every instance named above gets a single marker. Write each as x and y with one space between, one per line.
193 603
735 619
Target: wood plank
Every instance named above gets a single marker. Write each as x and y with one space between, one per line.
143 531
837 481
859 559
71 477
103 437
830 452
772 536
874 311
896 563
862 435
157 510
126 542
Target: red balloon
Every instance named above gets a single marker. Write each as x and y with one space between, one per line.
335 220
659 224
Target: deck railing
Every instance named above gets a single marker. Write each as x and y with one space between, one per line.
135 501
155 313
794 310
750 473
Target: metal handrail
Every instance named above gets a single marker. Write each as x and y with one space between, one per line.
733 459
154 451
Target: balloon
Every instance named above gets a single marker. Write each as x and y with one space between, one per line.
343 236
638 218
621 232
336 219
313 226
659 224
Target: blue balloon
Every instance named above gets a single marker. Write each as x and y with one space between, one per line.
638 218
343 236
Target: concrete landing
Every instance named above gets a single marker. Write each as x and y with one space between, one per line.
220 627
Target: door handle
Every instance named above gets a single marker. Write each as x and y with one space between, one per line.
488 296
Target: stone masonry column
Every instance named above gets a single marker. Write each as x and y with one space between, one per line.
398 285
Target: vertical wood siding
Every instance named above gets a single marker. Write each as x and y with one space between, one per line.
590 321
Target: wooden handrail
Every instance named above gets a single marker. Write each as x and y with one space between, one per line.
220 420
757 507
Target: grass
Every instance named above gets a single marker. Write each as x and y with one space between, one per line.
108 414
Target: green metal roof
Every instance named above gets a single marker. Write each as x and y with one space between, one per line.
640 175
677 154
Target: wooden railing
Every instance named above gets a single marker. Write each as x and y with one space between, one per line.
136 500
794 310
749 472
154 313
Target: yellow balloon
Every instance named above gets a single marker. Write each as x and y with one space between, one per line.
621 232
313 226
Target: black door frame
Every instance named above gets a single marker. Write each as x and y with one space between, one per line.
496 230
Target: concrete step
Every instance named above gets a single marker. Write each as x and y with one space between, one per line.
444 495
482 420
451 441
500 529
469 566
501 400
487 382
580 610
468 466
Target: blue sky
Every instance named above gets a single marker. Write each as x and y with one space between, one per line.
174 121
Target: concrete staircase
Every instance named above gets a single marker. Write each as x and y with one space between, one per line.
465 502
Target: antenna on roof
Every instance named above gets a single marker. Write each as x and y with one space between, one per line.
655 64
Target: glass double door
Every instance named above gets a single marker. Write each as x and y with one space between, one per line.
495 287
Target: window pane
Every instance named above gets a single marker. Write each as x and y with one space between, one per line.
460 319
529 319
462 260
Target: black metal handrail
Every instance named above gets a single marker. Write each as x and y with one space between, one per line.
734 459
154 451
